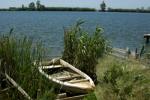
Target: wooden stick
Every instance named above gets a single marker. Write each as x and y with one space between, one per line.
77 97
18 87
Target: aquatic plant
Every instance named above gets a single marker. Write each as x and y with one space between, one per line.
70 42
83 50
17 57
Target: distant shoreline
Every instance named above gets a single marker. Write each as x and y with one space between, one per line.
77 9
49 9
129 10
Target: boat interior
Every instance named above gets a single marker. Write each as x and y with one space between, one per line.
64 74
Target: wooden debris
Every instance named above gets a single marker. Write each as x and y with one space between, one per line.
18 87
63 96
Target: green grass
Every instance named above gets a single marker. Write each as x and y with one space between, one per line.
17 56
122 80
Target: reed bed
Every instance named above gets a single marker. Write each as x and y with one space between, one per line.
83 50
17 57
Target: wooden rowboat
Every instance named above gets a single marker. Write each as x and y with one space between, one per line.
67 76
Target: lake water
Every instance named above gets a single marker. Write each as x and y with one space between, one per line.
122 29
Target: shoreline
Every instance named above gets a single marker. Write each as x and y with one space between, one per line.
72 11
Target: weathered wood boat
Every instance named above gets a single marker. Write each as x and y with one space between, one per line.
66 76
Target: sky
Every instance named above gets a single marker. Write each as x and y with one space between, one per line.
79 3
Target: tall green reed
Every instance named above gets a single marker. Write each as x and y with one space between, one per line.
17 57
71 42
83 50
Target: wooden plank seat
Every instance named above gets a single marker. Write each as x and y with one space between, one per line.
52 66
64 78
76 81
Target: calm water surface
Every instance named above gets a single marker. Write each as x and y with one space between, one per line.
122 29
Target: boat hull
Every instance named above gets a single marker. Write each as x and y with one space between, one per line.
84 85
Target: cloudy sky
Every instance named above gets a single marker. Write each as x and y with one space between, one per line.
79 3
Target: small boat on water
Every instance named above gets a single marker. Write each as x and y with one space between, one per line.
66 76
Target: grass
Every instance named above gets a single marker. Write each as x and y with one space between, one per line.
122 80
17 57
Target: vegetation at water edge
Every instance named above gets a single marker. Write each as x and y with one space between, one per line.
83 50
17 57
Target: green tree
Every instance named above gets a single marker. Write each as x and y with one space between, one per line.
103 6
38 4
32 6
42 7
23 7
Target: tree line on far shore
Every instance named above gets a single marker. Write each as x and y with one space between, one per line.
40 7
32 6
103 7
